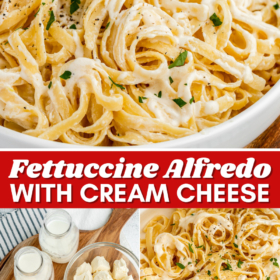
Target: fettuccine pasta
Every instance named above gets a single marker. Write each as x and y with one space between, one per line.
133 72
207 244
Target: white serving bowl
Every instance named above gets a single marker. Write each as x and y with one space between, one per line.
234 133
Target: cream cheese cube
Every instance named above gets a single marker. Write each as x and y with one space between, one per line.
83 269
102 275
129 277
85 276
120 269
100 264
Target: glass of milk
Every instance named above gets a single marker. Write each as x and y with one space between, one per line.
32 264
59 236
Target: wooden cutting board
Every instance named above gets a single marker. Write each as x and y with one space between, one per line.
110 232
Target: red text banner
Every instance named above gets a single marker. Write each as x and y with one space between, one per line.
139 179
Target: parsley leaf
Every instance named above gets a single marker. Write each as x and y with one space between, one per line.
189 263
43 4
159 94
180 265
185 84
235 245
192 100
66 75
141 98
74 6
202 246
180 60
235 236
173 224
107 25
216 20
115 84
73 26
276 6
50 85
37 13
239 263
274 262
216 278
180 102
51 20
228 266
267 278
209 272
190 248
171 80
6 43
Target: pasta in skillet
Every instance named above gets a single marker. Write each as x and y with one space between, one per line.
124 72
235 244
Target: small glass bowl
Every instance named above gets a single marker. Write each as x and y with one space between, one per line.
110 251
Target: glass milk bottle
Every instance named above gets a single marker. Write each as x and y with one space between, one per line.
32 264
59 236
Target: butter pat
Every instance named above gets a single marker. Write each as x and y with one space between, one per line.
120 269
100 264
102 275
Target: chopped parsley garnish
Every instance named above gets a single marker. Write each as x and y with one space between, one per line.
141 98
185 84
66 75
180 102
211 248
235 236
50 85
180 265
228 266
190 248
206 236
267 278
74 6
235 245
180 60
189 263
192 214
51 20
209 272
202 246
216 278
43 3
107 25
171 80
274 262
159 94
209 255
276 6
192 100
233 256
37 13
216 20
6 43
239 263
73 26
115 84
198 270
173 224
